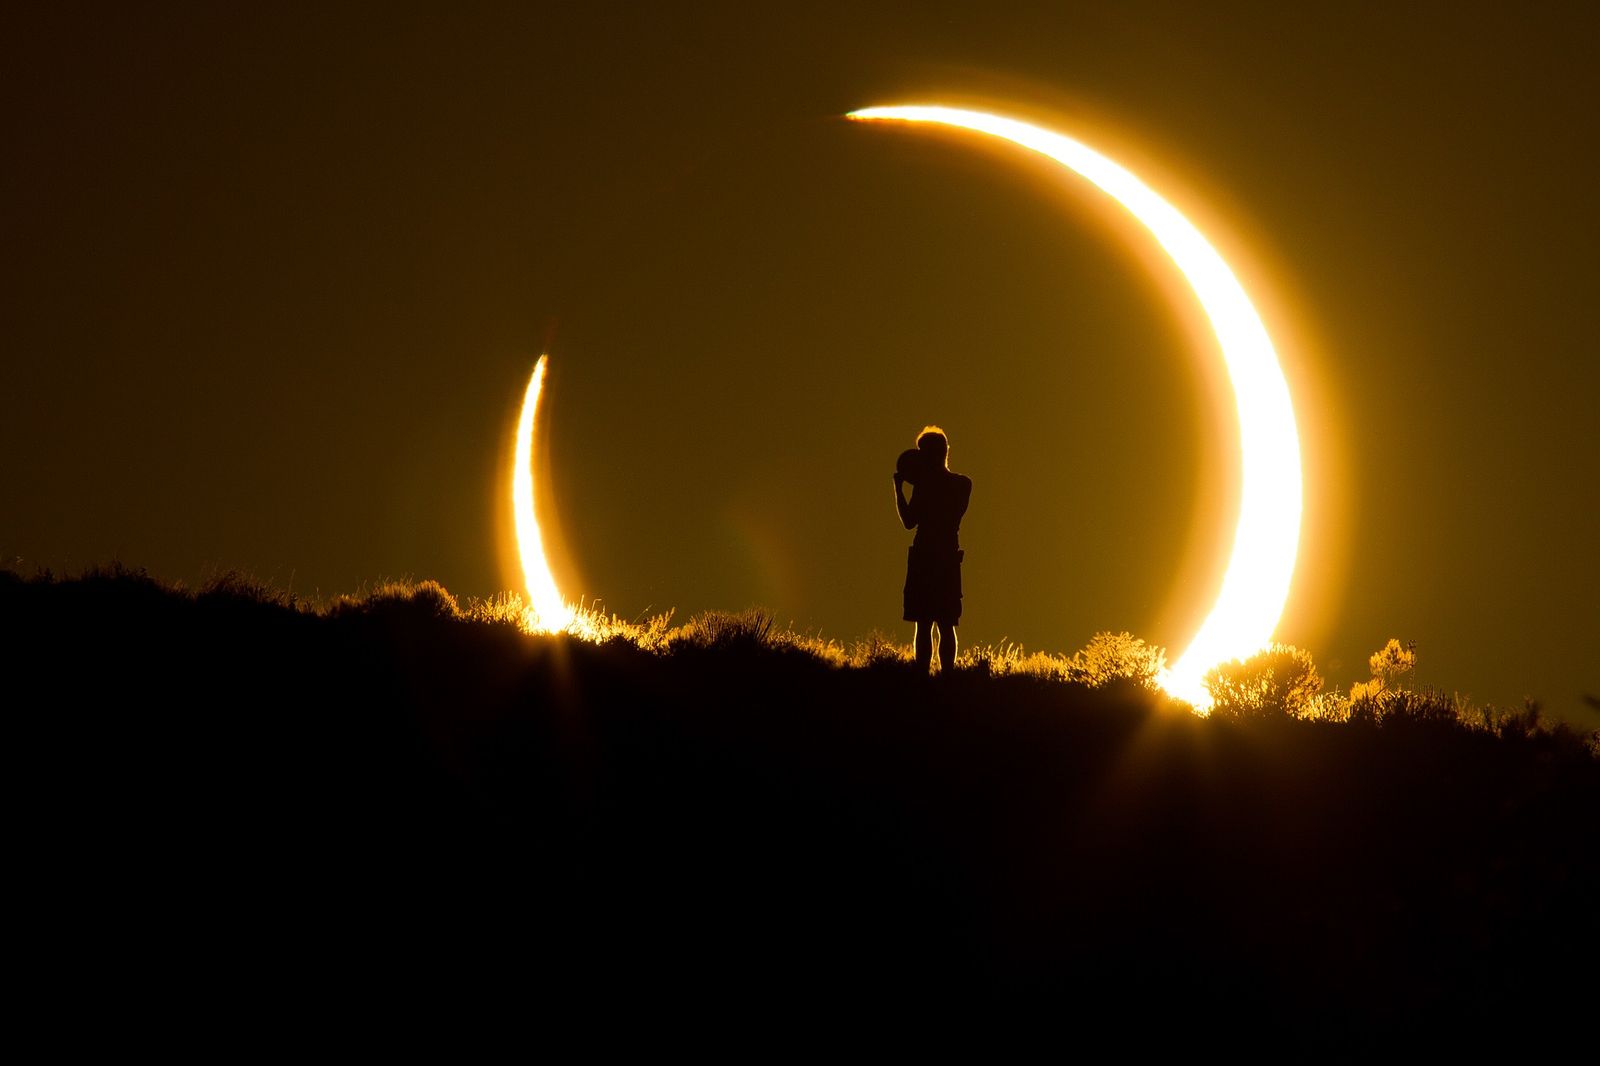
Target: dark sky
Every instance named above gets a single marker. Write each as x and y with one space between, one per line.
272 284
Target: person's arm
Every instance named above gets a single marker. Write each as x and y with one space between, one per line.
902 508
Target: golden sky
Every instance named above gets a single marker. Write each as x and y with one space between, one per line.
272 288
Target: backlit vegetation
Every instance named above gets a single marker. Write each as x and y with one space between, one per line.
723 810
1280 682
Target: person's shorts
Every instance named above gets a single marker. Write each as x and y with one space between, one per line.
933 585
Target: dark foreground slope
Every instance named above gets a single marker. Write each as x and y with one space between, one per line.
230 810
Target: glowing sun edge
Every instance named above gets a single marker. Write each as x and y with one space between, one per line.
547 611
1255 586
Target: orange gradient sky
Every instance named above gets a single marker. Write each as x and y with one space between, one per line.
273 286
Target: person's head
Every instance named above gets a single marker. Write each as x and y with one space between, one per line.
933 444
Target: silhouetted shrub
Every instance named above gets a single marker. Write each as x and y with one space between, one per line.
1395 706
1381 699
1112 657
1282 680
1392 661
1509 722
1327 707
750 628
114 581
402 599
238 589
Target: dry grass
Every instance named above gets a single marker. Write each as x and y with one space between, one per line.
1280 682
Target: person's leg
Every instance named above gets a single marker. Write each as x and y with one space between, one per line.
947 647
924 645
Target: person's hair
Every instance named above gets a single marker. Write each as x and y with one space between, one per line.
932 439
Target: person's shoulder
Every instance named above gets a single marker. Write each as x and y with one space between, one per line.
965 482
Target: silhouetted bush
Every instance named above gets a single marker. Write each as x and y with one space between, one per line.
1395 706
1112 657
238 588
1279 681
1514 722
399 600
712 630
1392 661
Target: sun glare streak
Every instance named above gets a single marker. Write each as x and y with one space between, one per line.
547 611
1255 586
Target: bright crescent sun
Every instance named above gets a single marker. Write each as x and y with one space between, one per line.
1255 586
547 611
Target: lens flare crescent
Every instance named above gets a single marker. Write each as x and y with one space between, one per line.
1255 586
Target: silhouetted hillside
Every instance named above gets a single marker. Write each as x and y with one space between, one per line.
384 801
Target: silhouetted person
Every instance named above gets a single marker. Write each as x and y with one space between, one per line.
933 565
